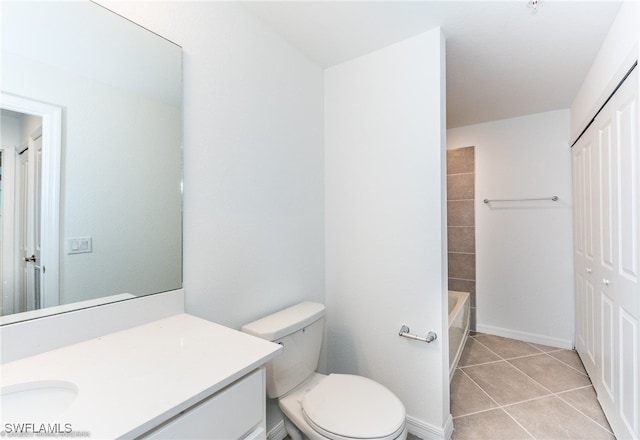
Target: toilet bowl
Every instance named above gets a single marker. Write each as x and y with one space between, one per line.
342 407
316 406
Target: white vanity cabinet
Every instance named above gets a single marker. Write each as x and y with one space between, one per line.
236 412
180 377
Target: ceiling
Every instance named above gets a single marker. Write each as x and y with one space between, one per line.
503 59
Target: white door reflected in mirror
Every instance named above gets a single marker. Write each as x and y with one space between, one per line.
28 193
30 205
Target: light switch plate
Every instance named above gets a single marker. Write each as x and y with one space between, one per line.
78 245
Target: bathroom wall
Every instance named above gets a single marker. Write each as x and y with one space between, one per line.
253 163
28 125
524 259
461 222
10 131
385 227
618 50
255 197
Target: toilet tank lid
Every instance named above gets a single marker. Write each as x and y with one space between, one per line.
285 322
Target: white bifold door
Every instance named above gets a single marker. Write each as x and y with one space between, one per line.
606 180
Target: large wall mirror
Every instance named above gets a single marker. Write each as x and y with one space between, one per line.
90 157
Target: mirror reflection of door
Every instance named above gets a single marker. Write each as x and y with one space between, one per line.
1 219
7 209
28 196
21 244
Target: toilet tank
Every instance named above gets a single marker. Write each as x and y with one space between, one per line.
299 329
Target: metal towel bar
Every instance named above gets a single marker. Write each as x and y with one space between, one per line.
553 199
404 332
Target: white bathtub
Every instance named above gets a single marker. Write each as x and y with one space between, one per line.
459 305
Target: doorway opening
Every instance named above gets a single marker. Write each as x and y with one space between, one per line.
30 204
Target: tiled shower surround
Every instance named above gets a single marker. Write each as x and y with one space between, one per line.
461 223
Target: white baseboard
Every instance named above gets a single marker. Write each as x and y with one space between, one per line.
429 432
278 432
448 428
524 336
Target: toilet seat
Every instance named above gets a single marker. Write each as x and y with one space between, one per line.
350 407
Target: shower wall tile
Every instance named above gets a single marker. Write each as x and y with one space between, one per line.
460 160
462 266
461 213
460 186
461 223
462 285
461 239
472 319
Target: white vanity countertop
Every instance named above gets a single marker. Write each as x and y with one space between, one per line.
131 381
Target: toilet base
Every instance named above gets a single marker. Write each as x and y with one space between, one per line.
293 431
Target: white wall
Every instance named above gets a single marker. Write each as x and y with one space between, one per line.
253 162
524 258
253 136
618 51
385 235
10 131
29 124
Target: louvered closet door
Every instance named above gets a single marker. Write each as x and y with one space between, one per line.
608 281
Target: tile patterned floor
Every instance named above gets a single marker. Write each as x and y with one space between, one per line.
509 389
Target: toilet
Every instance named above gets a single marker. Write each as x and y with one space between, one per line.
317 406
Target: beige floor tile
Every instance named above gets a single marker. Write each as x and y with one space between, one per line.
551 418
467 397
505 347
586 400
475 353
494 425
569 357
569 414
551 373
504 383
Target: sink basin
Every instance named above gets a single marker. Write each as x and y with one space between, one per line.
36 401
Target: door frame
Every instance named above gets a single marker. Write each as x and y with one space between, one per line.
7 268
50 209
